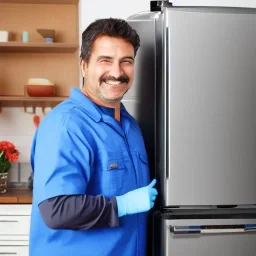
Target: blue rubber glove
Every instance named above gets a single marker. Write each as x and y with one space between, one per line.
136 201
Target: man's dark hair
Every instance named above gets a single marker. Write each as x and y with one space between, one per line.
111 27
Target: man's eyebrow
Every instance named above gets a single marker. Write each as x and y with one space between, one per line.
128 57
104 57
110 58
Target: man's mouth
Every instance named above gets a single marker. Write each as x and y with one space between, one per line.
110 80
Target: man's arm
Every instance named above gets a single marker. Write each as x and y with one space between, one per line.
79 212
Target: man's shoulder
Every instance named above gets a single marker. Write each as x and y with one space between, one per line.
67 114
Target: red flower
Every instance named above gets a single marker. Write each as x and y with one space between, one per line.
12 156
10 152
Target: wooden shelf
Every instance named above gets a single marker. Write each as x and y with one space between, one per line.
11 47
25 102
40 1
16 196
58 61
30 99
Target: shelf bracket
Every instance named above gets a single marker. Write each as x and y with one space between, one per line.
26 106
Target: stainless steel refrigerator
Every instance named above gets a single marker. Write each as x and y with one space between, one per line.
194 96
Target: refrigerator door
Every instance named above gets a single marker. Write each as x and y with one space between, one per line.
217 237
207 108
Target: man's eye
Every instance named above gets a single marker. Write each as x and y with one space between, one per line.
127 61
105 60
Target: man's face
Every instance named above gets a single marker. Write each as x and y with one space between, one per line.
110 71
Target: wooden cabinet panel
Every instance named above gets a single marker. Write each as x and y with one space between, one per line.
40 1
16 196
16 47
17 18
58 62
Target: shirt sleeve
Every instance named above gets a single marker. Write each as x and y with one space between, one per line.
62 162
79 212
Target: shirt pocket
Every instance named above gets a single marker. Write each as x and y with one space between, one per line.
114 174
143 169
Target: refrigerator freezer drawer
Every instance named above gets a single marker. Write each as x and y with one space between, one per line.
210 237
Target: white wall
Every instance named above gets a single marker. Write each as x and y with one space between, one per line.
91 10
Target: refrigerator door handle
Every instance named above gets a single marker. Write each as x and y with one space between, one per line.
167 100
179 230
212 229
250 227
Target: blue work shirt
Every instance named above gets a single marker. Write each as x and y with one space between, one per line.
79 148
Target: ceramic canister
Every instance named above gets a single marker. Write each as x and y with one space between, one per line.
4 35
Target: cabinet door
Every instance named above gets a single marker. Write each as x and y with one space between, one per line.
14 250
14 225
15 209
10 241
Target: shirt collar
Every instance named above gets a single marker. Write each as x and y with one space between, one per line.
95 111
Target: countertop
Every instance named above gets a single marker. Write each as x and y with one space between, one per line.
16 196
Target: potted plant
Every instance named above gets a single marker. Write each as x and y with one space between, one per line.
8 155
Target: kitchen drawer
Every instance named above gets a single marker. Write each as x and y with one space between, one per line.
206 237
15 209
14 250
14 225
14 241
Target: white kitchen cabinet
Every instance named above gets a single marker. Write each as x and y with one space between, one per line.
14 250
14 229
14 225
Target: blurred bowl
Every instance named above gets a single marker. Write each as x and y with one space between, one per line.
46 33
40 90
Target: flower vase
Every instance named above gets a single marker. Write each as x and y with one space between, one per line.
3 182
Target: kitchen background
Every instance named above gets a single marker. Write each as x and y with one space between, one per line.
18 127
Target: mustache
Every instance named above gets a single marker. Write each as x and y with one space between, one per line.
122 79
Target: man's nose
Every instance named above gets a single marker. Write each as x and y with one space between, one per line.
116 70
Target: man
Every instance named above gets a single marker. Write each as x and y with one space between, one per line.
91 179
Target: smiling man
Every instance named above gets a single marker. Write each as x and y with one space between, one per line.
91 179
109 72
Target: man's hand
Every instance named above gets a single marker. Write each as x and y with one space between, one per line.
138 200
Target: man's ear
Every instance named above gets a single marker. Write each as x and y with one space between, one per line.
83 67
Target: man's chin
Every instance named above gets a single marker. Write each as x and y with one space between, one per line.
112 100
116 99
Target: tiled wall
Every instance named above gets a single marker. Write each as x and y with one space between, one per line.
18 127
19 174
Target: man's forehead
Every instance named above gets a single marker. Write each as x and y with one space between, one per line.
104 43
